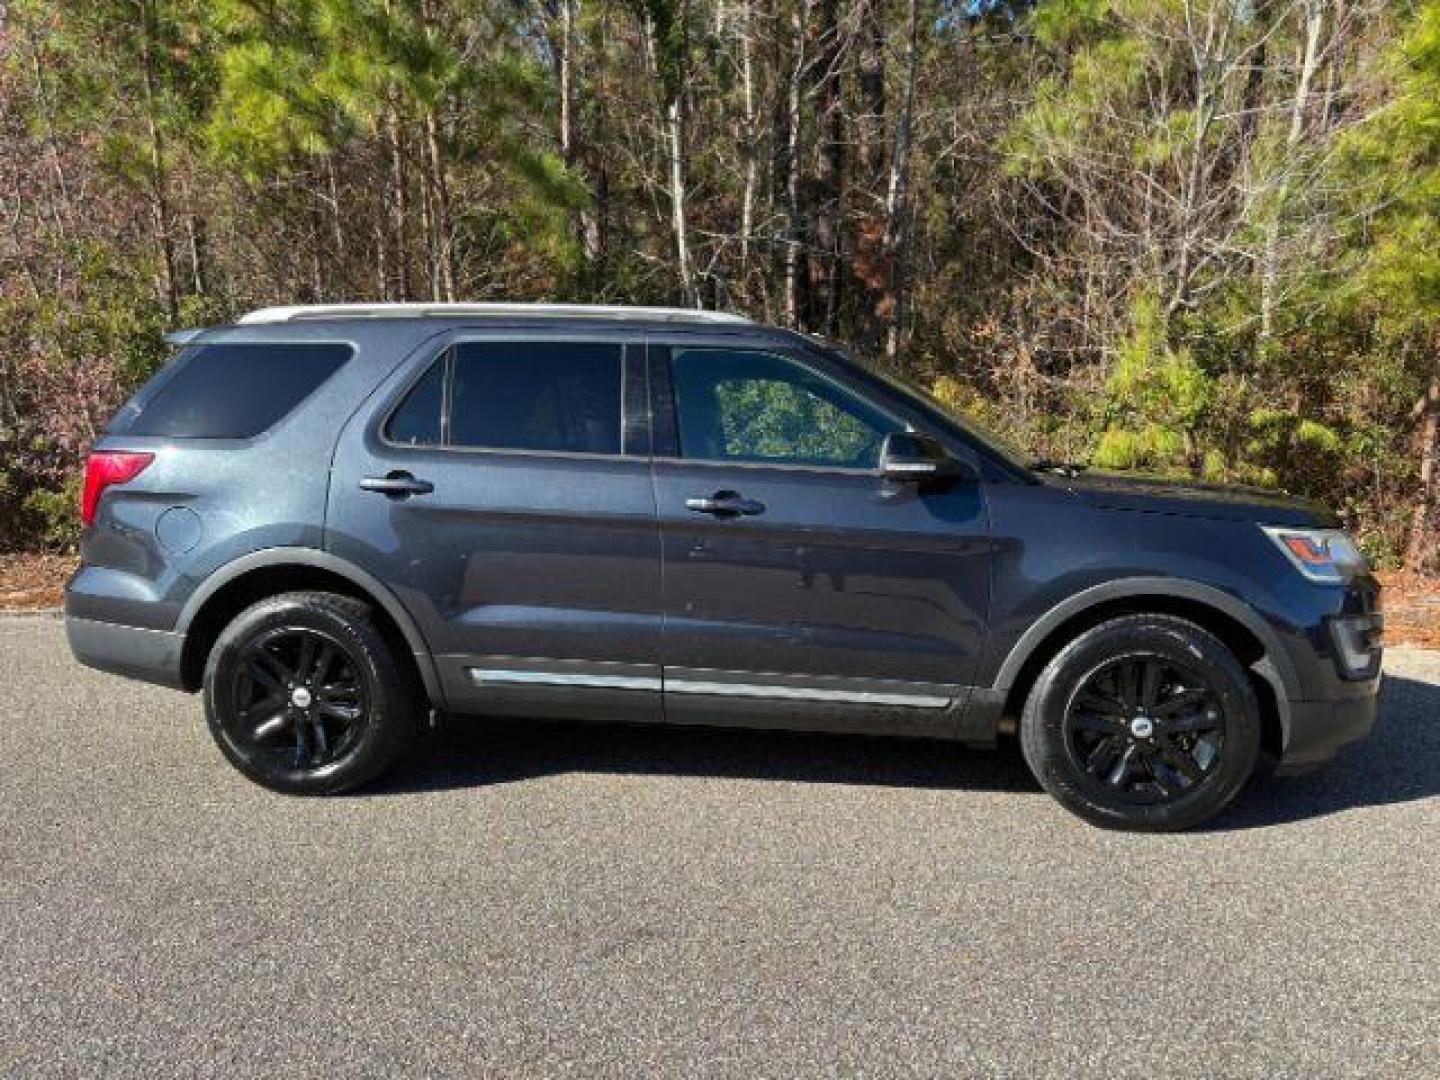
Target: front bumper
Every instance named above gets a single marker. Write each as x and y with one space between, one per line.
149 655
1337 659
1317 730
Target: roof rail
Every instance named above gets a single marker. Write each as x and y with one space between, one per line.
422 311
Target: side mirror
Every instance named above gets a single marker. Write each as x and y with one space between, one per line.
909 456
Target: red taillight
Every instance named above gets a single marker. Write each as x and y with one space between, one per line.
103 468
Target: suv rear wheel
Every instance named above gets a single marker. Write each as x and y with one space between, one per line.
304 694
1144 722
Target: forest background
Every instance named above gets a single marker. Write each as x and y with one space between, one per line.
1196 237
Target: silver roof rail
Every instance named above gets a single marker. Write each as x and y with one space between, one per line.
421 311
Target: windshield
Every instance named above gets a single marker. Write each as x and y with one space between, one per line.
1001 446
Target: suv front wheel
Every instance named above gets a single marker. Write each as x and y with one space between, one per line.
1145 722
304 694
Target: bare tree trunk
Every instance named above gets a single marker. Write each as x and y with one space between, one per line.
320 267
1192 196
1341 43
337 229
565 62
195 247
1251 99
871 84
830 166
659 52
584 224
869 257
443 221
795 231
598 221
675 145
195 237
1209 65
897 192
749 134
1422 542
427 227
159 181
398 202
382 268
439 223
1314 13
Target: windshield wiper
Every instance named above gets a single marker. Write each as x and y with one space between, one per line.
1064 468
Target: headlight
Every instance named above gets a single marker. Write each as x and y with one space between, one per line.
1320 554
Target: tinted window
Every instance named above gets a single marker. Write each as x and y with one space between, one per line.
557 397
417 421
234 391
734 405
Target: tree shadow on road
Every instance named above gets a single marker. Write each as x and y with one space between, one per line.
1399 762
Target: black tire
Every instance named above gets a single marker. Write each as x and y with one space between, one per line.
1185 742
357 705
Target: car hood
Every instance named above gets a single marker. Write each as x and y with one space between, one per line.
1232 502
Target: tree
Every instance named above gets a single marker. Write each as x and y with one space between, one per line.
1397 155
1187 235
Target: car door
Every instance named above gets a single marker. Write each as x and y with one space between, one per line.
499 484
800 588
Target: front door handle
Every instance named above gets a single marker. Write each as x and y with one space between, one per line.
726 504
397 485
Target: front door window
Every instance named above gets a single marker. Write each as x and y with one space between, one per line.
743 406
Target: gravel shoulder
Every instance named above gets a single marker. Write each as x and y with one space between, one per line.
553 899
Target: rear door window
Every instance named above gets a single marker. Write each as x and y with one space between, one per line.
233 391
560 397
542 397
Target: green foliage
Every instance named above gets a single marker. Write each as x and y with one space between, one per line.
1062 22
138 74
1154 400
55 510
1071 111
176 161
303 77
967 401
1395 157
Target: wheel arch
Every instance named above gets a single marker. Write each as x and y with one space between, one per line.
1239 626
270 571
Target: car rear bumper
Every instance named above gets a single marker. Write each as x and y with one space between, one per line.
150 655
1319 729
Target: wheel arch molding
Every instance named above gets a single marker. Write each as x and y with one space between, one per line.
282 569
1212 608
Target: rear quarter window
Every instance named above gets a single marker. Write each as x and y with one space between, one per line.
232 391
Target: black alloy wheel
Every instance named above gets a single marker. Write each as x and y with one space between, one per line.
296 700
1144 722
306 694
1146 729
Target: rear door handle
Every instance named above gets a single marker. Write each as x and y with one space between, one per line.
726 504
397 485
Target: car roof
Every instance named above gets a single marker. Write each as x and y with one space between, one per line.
414 321
581 312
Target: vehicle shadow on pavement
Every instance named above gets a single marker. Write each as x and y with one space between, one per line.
470 753
1399 762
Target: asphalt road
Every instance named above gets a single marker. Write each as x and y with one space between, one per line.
560 900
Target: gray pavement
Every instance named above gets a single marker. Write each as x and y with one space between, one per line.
560 900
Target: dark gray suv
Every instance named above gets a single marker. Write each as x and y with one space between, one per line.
336 521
